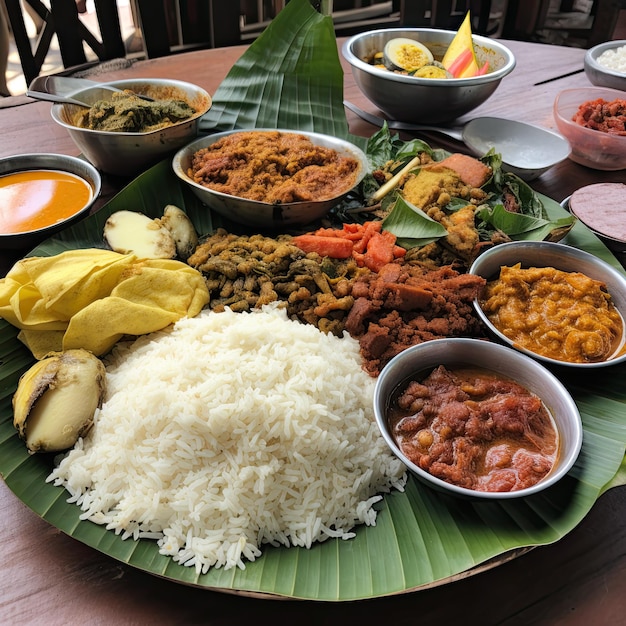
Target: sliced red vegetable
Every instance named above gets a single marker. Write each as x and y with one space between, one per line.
483 70
369 229
460 63
380 250
367 243
334 247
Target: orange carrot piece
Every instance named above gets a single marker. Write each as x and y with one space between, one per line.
353 234
370 228
398 252
367 243
333 247
327 232
380 250
347 232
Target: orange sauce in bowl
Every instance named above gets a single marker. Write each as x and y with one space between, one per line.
35 199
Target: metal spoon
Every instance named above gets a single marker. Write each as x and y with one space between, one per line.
63 89
526 150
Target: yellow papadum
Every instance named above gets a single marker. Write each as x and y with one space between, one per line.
91 298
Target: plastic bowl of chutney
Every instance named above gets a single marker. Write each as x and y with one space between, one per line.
42 194
475 419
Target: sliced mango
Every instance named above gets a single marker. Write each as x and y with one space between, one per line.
460 57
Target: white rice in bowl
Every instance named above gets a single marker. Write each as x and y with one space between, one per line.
229 431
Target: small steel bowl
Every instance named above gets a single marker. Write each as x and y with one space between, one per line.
599 74
264 214
59 162
591 148
561 257
594 215
420 359
127 153
425 100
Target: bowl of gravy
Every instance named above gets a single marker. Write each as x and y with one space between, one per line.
41 194
475 419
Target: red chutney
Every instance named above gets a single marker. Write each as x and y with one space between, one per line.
474 429
602 115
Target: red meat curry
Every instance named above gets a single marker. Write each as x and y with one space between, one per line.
475 429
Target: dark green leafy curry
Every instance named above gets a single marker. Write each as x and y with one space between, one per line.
127 112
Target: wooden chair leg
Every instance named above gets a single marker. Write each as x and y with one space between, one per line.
110 29
30 60
220 21
481 10
67 27
225 23
604 21
153 27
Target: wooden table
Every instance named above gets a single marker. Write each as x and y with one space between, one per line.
47 577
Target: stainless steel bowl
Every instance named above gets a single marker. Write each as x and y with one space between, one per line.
425 100
559 256
263 214
594 219
600 75
127 153
420 358
58 162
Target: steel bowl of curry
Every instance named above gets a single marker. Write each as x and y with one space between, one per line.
270 178
123 133
553 302
475 419
41 194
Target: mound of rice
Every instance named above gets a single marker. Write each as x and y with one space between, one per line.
229 431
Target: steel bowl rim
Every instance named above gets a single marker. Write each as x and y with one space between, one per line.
565 250
498 74
591 58
47 158
57 107
531 364
566 205
199 143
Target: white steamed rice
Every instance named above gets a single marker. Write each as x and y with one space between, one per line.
614 59
230 431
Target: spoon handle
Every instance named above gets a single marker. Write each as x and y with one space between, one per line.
62 88
454 133
50 97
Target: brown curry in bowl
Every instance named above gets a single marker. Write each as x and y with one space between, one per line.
475 429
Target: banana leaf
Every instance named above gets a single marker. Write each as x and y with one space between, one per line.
421 538
290 78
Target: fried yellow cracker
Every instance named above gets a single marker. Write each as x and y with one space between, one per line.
91 298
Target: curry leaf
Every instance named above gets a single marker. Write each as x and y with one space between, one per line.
382 146
412 226
519 225
549 231
527 200
412 148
